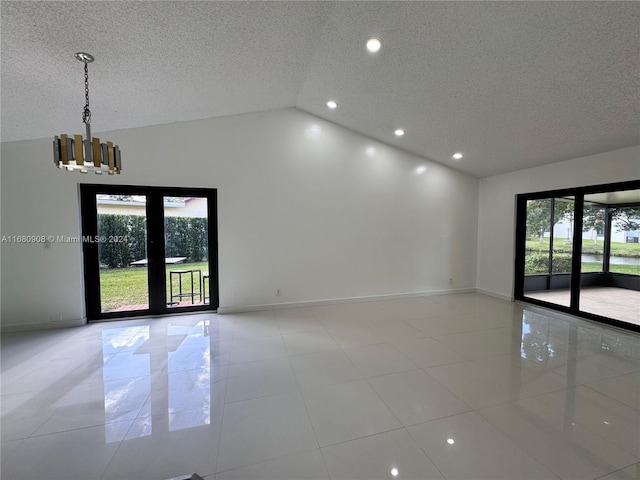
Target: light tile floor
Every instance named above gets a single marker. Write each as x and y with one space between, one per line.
456 387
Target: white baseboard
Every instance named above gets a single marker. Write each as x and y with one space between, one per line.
273 306
501 296
26 327
337 301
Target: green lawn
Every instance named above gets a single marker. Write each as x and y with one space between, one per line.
597 267
618 249
587 267
128 286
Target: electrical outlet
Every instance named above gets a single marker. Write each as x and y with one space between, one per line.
451 281
56 319
278 293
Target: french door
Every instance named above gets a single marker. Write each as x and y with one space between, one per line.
148 250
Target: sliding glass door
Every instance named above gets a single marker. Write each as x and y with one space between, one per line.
548 252
578 251
148 250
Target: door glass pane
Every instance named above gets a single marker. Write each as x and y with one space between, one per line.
593 227
625 240
562 252
537 254
186 251
122 252
613 291
548 251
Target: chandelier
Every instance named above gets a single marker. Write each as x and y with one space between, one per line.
72 152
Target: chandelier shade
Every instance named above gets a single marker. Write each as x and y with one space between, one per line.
73 152
76 153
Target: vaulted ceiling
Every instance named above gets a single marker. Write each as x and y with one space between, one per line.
511 85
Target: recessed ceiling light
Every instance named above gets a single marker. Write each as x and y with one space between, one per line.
457 156
420 170
450 441
332 104
373 44
394 472
399 132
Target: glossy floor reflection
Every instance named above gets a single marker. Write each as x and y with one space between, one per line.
456 387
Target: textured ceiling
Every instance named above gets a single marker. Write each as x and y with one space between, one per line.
512 85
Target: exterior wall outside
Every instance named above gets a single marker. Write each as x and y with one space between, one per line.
194 207
121 209
563 229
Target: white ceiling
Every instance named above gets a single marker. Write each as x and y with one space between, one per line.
510 84
613 198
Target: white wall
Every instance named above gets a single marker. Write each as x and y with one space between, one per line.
304 206
497 206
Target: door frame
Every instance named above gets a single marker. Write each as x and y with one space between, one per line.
155 248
